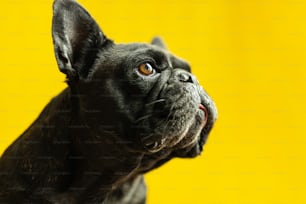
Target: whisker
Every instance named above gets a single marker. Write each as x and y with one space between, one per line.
154 102
143 118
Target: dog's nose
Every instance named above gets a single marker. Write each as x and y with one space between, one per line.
184 76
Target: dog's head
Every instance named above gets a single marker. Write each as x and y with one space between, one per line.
141 92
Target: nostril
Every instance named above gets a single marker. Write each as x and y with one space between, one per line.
184 77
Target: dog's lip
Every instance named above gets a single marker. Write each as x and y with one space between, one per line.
204 109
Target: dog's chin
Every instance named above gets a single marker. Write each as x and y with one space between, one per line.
176 134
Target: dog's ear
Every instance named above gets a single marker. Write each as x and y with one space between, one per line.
77 38
158 42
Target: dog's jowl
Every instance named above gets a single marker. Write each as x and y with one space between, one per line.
128 109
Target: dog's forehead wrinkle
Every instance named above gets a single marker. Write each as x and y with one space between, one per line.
178 62
136 49
167 58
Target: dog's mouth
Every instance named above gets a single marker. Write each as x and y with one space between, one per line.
181 137
176 120
205 118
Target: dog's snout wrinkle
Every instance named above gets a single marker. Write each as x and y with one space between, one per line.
184 76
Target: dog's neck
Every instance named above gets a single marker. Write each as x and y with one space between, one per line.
69 137
71 120
96 157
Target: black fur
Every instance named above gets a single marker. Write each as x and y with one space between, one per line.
93 142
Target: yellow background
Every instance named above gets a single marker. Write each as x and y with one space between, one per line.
249 55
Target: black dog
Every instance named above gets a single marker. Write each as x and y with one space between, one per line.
129 109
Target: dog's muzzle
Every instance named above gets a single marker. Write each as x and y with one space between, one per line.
177 112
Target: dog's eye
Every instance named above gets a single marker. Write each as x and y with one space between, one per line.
146 69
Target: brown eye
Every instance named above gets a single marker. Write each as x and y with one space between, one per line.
146 69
